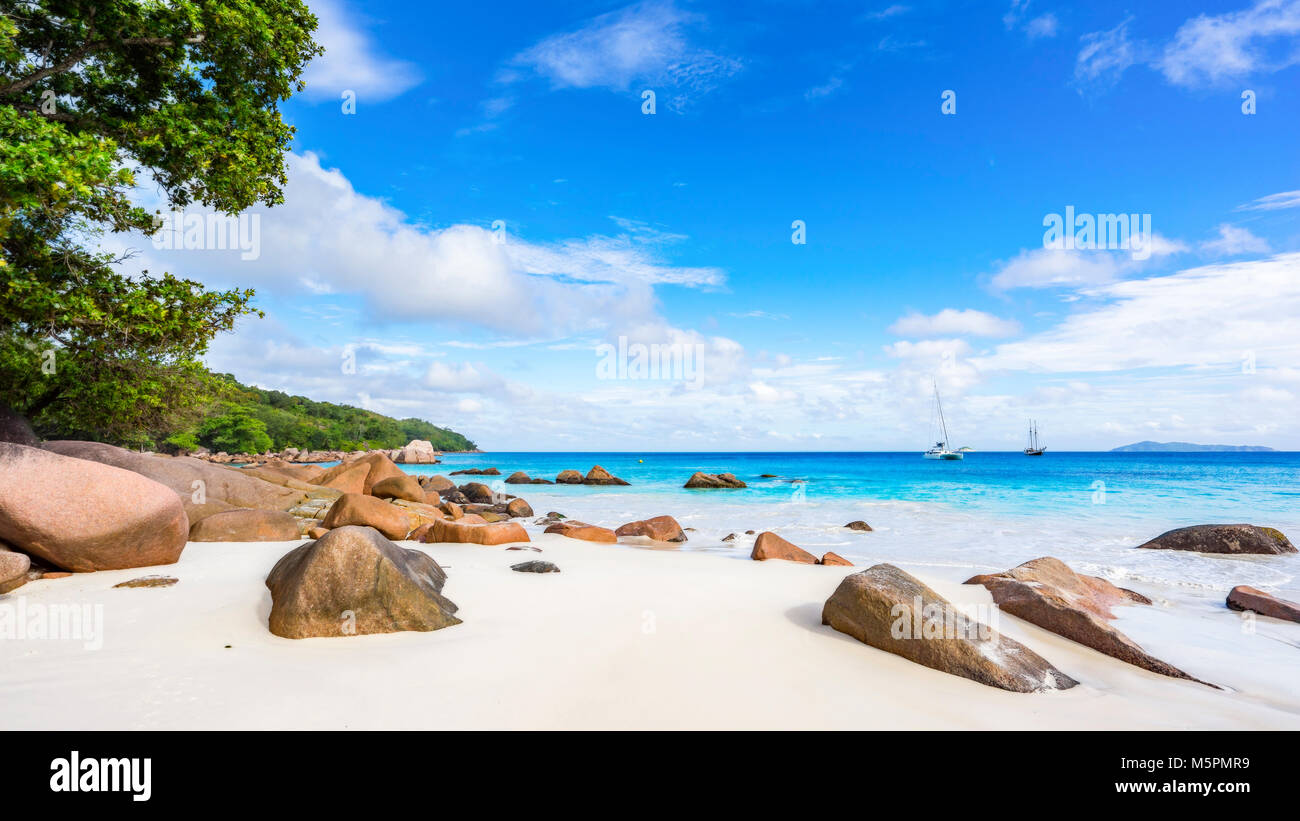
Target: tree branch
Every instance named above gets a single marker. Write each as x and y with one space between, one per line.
87 49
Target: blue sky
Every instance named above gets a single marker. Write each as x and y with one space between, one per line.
924 255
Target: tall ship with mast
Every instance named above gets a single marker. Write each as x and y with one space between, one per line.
1034 449
941 449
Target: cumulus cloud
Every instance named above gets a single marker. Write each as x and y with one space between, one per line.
951 321
1057 267
1197 318
351 61
329 238
1233 241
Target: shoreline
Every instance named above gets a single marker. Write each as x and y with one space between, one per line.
622 638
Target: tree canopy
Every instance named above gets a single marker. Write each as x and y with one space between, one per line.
91 92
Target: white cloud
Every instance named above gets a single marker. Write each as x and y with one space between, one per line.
757 314
1212 49
1018 17
763 392
648 43
1105 56
1233 241
351 62
1197 318
824 90
1057 267
329 238
1206 50
1044 26
1273 202
887 12
951 321
457 378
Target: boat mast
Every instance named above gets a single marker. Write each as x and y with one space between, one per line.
942 423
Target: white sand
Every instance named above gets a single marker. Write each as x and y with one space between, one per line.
622 638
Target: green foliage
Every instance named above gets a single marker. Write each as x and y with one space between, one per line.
235 430
188 90
295 421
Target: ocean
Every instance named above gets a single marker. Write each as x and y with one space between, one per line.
985 513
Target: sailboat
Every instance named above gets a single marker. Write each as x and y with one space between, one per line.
1034 448
941 449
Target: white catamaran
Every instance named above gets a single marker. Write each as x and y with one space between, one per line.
941 450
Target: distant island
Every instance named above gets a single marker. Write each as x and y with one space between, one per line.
1186 447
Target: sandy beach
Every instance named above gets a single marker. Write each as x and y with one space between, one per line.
622 638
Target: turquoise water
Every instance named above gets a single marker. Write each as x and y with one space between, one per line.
986 513
1180 488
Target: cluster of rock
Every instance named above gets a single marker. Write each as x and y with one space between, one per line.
596 476
415 452
768 545
891 610
1045 592
132 509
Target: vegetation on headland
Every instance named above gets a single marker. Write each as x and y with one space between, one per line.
186 94
252 420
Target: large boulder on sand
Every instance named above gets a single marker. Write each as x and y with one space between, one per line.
1234 539
399 487
463 531
701 480
1248 598
417 452
15 429
893 611
659 529
194 480
360 509
768 545
581 530
85 516
246 526
1046 592
353 581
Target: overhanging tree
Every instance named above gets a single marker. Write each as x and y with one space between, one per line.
189 91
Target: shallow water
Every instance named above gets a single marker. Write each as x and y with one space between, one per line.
990 511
